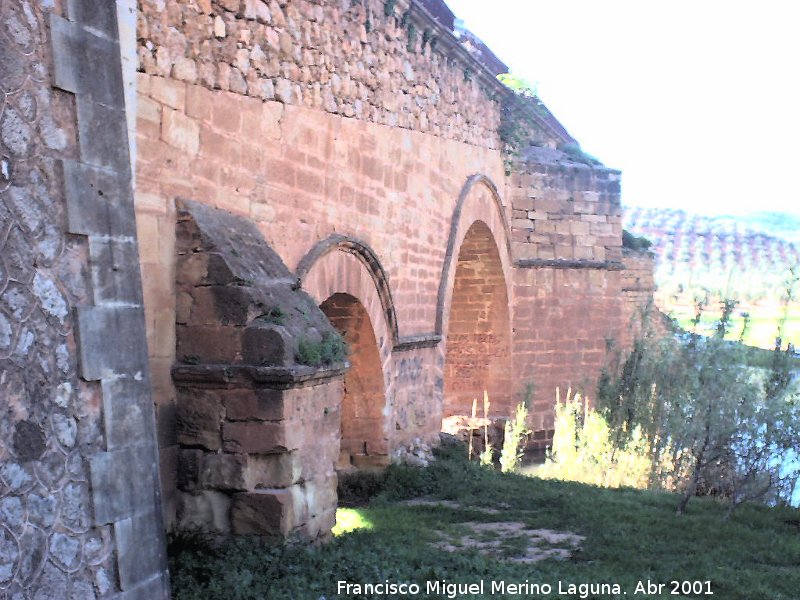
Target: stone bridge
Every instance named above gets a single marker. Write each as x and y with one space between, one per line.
201 199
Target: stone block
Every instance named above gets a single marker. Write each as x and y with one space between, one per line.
224 471
198 419
155 587
80 64
103 135
259 405
267 344
207 510
100 17
97 201
264 512
123 482
208 344
273 470
127 410
319 526
114 273
141 549
111 341
168 92
255 437
180 131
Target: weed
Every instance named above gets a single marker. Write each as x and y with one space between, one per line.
274 315
331 349
516 430
635 242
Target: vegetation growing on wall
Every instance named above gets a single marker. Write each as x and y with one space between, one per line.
331 349
635 242
516 114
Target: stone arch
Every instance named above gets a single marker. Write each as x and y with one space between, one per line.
343 263
479 200
364 440
349 284
474 312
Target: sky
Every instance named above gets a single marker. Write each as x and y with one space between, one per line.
697 102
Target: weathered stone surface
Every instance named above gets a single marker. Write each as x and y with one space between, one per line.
125 401
122 482
263 512
29 440
206 510
79 58
198 419
254 437
224 471
141 552
95 201
267 345
110 341
255 404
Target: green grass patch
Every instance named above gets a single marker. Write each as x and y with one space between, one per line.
630 536
761 331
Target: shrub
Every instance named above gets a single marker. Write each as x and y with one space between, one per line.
331 349
584 449
709 423
515 431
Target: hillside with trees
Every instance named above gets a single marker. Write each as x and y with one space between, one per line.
702 261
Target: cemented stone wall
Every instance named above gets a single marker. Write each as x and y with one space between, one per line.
337 56
358 141
258 418
77 428
302 175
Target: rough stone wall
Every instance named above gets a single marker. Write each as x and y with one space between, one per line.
302 175
338 56
71 525
640 315
319 118
258 429
567 244
564 210
51 418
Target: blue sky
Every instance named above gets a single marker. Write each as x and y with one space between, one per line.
698 103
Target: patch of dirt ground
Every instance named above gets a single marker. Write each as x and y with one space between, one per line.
509 540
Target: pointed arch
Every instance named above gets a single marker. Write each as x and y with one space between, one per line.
479 200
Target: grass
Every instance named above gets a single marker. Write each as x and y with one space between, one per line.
762 329
631 536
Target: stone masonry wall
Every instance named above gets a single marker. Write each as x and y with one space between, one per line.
51 418
384 62
341 57
258 429
564 210
315 118
567 244
300 175
77 427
